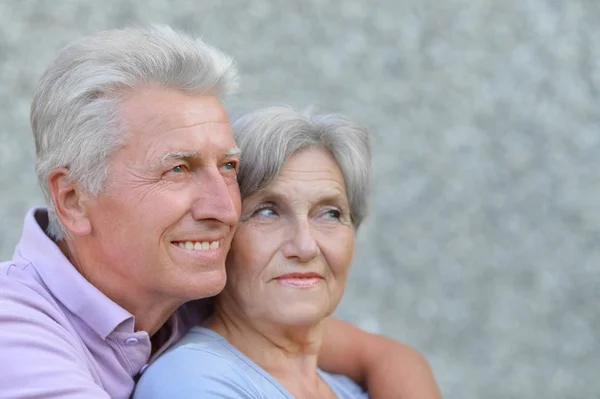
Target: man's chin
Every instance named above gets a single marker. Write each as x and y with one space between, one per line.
205 284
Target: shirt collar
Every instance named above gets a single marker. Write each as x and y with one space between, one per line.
64 282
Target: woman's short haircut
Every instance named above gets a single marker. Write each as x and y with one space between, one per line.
268 137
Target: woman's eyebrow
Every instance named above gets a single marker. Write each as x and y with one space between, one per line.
269 195
334 196
338 200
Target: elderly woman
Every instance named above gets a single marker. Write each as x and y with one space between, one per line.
304 182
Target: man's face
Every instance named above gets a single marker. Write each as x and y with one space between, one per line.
165 220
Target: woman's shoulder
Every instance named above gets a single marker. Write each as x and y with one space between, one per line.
202 364
205 340
344 387
198 366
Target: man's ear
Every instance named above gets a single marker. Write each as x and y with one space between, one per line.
70 202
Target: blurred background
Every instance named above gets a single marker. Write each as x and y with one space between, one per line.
483 245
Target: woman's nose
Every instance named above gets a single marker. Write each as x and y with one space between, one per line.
301 244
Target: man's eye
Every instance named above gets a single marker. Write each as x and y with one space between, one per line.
230 166
177 169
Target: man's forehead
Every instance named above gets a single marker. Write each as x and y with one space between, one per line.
196 117
165 109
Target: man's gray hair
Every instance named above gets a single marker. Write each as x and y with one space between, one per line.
268 137
74 114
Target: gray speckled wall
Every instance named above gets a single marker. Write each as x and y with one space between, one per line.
482 249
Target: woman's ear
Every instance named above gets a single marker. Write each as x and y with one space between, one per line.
70 202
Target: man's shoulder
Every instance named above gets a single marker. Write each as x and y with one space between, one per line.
38 342
23 294
31 319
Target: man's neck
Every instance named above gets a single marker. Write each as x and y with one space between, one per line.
150 311
288 353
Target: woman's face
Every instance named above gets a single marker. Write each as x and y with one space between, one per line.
294 245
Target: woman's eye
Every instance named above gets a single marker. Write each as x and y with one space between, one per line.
333 214
265 211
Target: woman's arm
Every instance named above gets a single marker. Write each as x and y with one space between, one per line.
386 368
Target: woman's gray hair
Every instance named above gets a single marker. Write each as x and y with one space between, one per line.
74 114
268 137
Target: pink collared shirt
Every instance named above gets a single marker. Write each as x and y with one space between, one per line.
60 337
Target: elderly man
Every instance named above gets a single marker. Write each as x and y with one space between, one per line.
138 166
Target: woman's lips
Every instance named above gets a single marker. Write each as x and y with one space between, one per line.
300 280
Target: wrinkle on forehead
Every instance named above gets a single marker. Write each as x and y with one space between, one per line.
321 176
190 126
308 175
309 186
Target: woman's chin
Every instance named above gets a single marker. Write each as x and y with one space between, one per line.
301 314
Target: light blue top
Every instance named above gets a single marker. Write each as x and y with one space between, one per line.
205 365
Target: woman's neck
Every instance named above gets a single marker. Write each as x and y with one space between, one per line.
288 353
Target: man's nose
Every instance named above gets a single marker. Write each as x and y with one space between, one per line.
215 198
301 244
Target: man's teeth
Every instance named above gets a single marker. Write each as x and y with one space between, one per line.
199 245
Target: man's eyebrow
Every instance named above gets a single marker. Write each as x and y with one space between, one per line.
235 151
232 152
174 155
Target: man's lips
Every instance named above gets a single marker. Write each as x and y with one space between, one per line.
204 242
198 245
